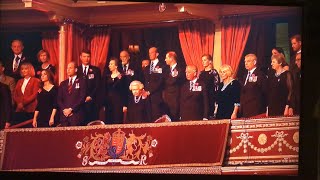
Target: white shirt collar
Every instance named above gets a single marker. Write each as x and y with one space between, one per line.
155 62
251 71
194 81
73 78
173 66
20 55
299 51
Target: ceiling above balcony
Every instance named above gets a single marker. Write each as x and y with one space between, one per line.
48 13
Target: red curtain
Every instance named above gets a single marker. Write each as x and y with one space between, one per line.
50 42
100 47
76 40
234 36
196 39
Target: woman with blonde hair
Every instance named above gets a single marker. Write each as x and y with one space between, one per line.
228 97
25 95
44 58
280 85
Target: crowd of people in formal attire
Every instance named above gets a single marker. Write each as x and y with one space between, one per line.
143 93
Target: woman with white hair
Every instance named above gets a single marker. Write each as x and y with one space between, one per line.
138 106
228 98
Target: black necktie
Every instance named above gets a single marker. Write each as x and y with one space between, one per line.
125 68
85 70
151 67
16 65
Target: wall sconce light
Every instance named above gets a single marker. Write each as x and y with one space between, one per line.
182 9
134 48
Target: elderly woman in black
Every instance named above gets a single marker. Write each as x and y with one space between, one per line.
280 85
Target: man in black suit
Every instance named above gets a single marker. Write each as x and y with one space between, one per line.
253 91
71 97
5 105
296 47
194 103
128 69
174 76
12 66
153 81
92 75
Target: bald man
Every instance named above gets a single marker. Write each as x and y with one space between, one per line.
194 103
153 82
13 63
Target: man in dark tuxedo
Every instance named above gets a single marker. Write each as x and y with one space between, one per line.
128 69
297 85
194 103
153 82
5 105
71 97
296 47
92 75
12 66
174 76
253 91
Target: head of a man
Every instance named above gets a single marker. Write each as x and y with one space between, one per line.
145 63
124 57
191 72
296 42
171 58
71 69
85 56
17 46
153 53
250 61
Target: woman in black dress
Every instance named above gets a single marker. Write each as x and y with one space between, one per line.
280 85
116 94
45 113
138 106
211 79
228 97
44 58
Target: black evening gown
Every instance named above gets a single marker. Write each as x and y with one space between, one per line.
47 101
280 93
211 79
227 98
116 98
138 111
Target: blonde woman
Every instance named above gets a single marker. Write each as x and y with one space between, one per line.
228 97
280 86
44 58
25 95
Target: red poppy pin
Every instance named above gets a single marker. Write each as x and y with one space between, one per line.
119 76
38 72
90 70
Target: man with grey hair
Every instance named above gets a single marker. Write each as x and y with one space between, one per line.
253 91
194 103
